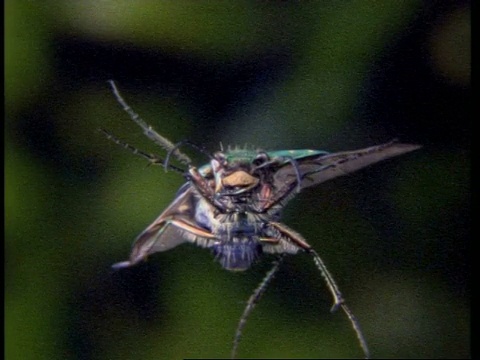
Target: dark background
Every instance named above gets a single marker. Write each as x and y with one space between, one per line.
275 74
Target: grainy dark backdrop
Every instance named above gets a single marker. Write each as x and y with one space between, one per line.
280 74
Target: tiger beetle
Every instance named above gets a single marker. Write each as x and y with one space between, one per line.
233 205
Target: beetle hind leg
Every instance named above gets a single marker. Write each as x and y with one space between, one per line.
252 301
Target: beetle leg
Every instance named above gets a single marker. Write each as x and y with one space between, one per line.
338 300
201 184
252 301
291 235
269 240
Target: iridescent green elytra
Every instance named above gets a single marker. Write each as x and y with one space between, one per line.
232 206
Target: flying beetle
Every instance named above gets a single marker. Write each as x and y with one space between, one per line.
233 205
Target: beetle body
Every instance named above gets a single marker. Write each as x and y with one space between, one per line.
233 204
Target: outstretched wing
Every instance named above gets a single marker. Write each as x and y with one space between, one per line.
316 169
173 227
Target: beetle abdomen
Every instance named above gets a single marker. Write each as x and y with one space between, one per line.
237 254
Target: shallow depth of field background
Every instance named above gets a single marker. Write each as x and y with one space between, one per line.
325 75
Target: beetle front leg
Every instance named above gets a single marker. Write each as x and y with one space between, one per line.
201 184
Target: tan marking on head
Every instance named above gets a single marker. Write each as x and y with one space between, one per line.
240 178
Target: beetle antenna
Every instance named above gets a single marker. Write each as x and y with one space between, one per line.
252 301
152 158
147 129
181 143
338 301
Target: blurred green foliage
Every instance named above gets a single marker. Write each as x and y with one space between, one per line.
277 74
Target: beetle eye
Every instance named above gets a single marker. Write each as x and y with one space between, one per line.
220 157
260 159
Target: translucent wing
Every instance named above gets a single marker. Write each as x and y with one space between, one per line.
316 169
173 227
